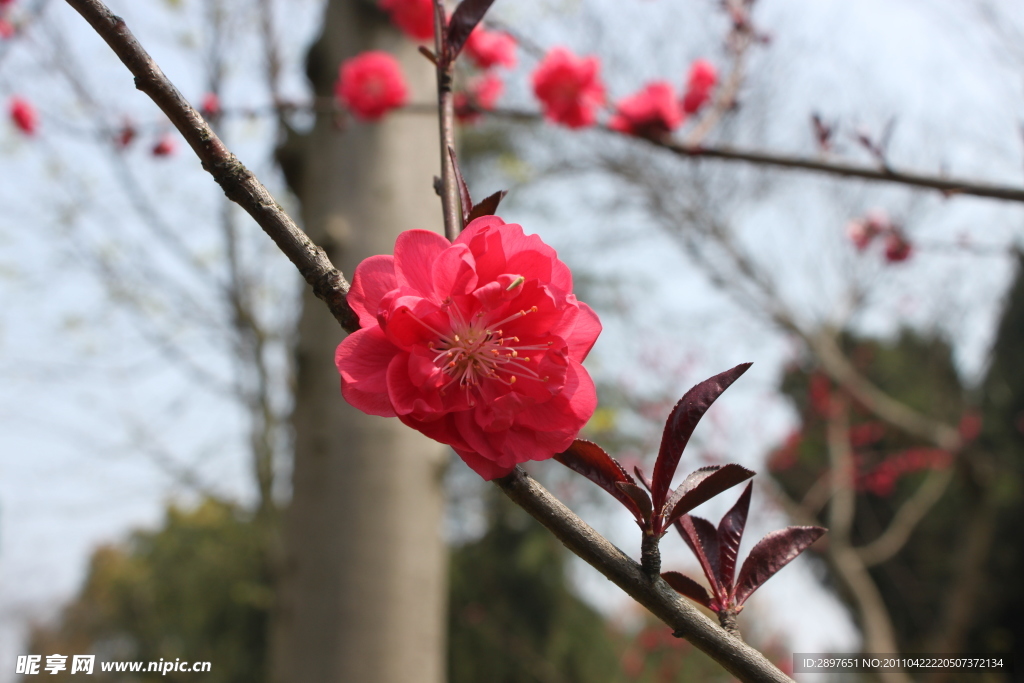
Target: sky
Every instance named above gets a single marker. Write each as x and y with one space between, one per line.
96 421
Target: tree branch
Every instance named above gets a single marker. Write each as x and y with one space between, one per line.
738 658
949 186
906 519
238 182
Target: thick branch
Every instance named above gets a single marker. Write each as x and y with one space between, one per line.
741 660
238 183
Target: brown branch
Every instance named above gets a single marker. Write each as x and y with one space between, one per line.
906 518
838 367
238 182
741 660
879 635
448 190
949 186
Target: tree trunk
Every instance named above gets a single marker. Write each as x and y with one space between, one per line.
362 590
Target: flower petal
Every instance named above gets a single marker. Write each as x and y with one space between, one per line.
406 397
583 334
454 272
362 359
415 253
373 278
488 469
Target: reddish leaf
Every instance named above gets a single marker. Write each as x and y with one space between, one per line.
680 425
701 536
730 533
487 206
772 553
701 486
642 477
639 496
688 587
590 460
464 198
464 19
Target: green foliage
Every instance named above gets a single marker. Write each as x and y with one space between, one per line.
513 618
195 589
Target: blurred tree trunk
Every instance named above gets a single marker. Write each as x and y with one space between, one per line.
362 587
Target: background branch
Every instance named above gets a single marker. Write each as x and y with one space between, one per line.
238 182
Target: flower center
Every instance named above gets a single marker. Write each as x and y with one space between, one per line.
476 350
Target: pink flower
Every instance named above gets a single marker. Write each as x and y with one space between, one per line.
476 343
165 146
211 105
491 48
23 115
897 248
371 84
5 3
126 135
569 88
481 95
652 111
701 80
6 29
415 18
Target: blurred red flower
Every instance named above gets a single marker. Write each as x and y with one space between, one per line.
415 18
481 95
371 84
24 115
569 88
650 112
699 82
491 48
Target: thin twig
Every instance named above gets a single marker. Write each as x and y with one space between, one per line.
446 125
238 182
947 185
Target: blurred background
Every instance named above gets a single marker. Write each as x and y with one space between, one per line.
179 477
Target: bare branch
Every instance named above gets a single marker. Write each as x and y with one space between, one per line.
906 518
949 186
238 182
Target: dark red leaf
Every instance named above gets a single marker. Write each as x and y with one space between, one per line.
701 486
772 553
730 533
688 587
701 536
487 206
642 477
464 199
680 425
639 496
465 18
590 460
